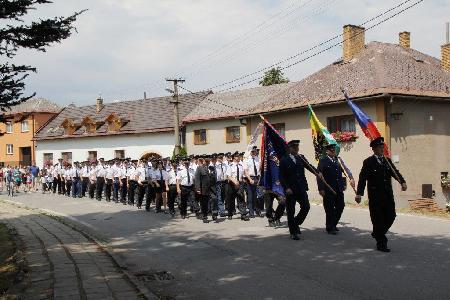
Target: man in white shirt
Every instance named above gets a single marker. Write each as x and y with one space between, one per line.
185 186
141 182
108 180
84 178
221 183
76 181
132 183
101 173
235 175
116 173
92 179
252 175
150 193
172 188
160 178
68 179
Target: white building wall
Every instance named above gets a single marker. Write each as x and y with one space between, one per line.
135 146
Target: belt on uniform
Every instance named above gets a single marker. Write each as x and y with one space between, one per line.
172 185
187 186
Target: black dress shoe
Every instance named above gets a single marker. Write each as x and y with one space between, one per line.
278 223
271 223
214 217
245 218
298 231
383 247
332 231
336 229
183 217
205 221
294 237
223 215
230 218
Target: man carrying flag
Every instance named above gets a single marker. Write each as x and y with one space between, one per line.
293 180
378 171
333 170
273 148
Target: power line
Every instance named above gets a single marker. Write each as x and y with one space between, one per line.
273 33
210 100
328 48
310 49
258 28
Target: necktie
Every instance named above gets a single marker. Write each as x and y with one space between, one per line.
76 173
189 176
254 167
160 175
237 172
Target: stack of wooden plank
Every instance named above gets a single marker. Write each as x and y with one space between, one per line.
425 204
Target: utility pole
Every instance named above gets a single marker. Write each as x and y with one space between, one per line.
176 116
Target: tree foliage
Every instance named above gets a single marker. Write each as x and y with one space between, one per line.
16 35
273 76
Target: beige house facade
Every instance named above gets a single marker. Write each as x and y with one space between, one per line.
405 92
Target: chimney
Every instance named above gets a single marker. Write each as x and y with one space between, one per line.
445 51
405 39
354 41
99 104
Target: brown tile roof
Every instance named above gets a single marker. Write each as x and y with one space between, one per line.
34 105
234 103
139 116
379 68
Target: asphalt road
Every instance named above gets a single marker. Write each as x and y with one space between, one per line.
248 260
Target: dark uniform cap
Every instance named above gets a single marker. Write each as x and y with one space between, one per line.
235 154
294 143
242 154
330 146
255 148
377 142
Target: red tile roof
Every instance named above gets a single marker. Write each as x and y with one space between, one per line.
379 68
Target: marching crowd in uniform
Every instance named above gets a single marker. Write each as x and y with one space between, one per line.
224 184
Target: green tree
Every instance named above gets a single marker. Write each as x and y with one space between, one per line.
15 34
273 76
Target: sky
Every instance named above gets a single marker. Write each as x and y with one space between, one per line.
123 48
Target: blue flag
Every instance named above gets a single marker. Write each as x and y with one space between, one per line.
273 149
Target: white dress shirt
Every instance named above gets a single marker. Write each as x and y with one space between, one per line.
183 177
251 164
232 171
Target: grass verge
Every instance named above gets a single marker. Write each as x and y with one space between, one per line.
8 266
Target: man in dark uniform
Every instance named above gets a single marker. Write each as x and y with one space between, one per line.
203 186
378 171
333 174
293 181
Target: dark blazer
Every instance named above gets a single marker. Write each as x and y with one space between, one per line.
378 177
333 175
292 175
203 180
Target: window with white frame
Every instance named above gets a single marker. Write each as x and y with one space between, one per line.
9 127
25 126
9 149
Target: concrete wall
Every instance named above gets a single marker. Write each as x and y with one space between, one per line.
135 146
421 140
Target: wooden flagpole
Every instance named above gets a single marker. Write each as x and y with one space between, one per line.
312 168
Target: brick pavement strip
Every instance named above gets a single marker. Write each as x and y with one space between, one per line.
62 263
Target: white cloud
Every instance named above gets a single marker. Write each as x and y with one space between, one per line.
126 47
